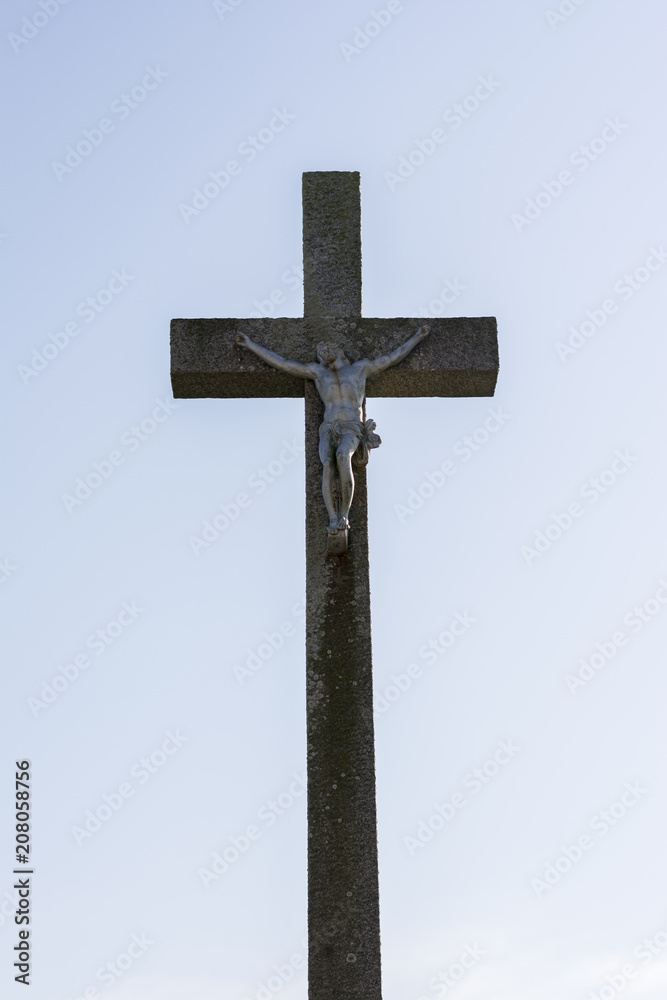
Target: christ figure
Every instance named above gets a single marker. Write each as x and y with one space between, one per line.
345 436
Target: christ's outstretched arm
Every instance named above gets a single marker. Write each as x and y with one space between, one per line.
379 364
275 360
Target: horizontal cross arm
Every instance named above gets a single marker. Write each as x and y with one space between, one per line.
207 361
459 358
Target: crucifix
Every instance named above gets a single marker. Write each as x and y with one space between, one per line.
270 357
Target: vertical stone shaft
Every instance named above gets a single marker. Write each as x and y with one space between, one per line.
343 898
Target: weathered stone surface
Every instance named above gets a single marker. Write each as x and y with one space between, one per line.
460 358
343 894
331 243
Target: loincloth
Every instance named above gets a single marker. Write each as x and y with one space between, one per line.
336 429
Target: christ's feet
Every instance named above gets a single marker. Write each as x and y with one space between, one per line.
337 536
340 524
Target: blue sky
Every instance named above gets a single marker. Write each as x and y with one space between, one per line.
512 161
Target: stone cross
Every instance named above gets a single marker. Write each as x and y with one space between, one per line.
459 358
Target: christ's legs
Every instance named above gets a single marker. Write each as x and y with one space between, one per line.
329 477
344 453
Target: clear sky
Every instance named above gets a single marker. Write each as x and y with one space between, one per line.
512 159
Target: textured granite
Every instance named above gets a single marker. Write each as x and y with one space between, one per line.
343 894
331 243
460 358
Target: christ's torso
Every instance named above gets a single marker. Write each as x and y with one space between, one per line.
342 391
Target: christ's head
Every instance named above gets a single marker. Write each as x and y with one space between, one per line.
331 355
